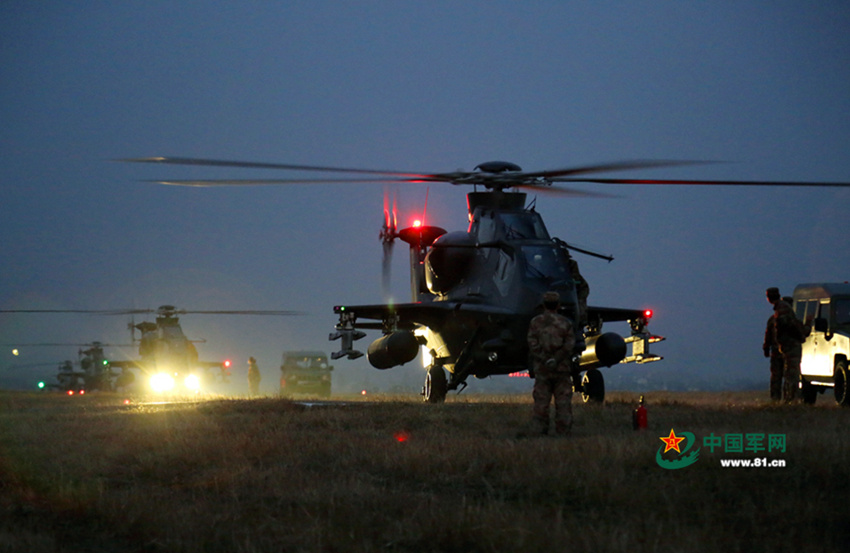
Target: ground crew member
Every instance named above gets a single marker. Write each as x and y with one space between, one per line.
254 376
789 334
551 340
582 291
771 350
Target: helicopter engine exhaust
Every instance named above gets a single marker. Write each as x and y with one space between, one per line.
603 350
393 349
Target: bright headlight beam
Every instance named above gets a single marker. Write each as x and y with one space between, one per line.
192 382
162 382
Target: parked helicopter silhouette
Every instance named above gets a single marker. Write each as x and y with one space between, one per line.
167 357
92 371
98 370
68 379
474 292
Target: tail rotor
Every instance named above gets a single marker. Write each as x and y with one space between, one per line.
389 232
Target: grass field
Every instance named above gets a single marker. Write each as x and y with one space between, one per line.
393 474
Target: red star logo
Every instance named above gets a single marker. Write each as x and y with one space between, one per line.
672 442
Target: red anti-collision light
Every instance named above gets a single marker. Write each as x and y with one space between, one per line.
647 314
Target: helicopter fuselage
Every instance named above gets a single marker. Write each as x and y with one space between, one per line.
474 294
495 273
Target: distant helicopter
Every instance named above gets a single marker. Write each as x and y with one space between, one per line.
94 371
475 291
98 370
168 359
68 379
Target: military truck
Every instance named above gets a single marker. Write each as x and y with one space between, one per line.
825 309
305 372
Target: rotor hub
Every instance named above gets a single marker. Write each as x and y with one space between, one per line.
497 167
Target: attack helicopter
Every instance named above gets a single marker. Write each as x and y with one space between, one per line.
168 359
474 292
93 370
69 380
98 371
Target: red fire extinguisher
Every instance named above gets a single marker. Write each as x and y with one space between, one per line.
639 421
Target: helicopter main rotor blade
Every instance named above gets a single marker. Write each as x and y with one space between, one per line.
626 165
245 312
34 365
88 311
559 191
273 182
494 179
262 165
152 311
686 182
56 344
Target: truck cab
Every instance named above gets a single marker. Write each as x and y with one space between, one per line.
825 309
305 372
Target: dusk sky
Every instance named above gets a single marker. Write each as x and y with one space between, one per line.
435 86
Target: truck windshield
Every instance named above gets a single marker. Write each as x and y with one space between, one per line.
306 362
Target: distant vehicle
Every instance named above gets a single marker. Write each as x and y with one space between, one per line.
825 309
305 372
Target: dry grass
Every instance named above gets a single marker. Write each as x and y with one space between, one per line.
91 474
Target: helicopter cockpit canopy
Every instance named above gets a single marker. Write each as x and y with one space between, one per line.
172 332
546 261
526 225
489 226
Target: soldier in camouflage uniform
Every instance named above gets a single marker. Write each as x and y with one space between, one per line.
551 340
789 335
582 291
771 350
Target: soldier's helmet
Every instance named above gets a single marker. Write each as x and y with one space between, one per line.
251 360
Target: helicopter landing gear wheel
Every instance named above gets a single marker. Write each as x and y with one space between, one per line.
436 385
593 387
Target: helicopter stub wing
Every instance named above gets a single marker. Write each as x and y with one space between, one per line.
615 314
404 316
125 364
410 315
636 345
